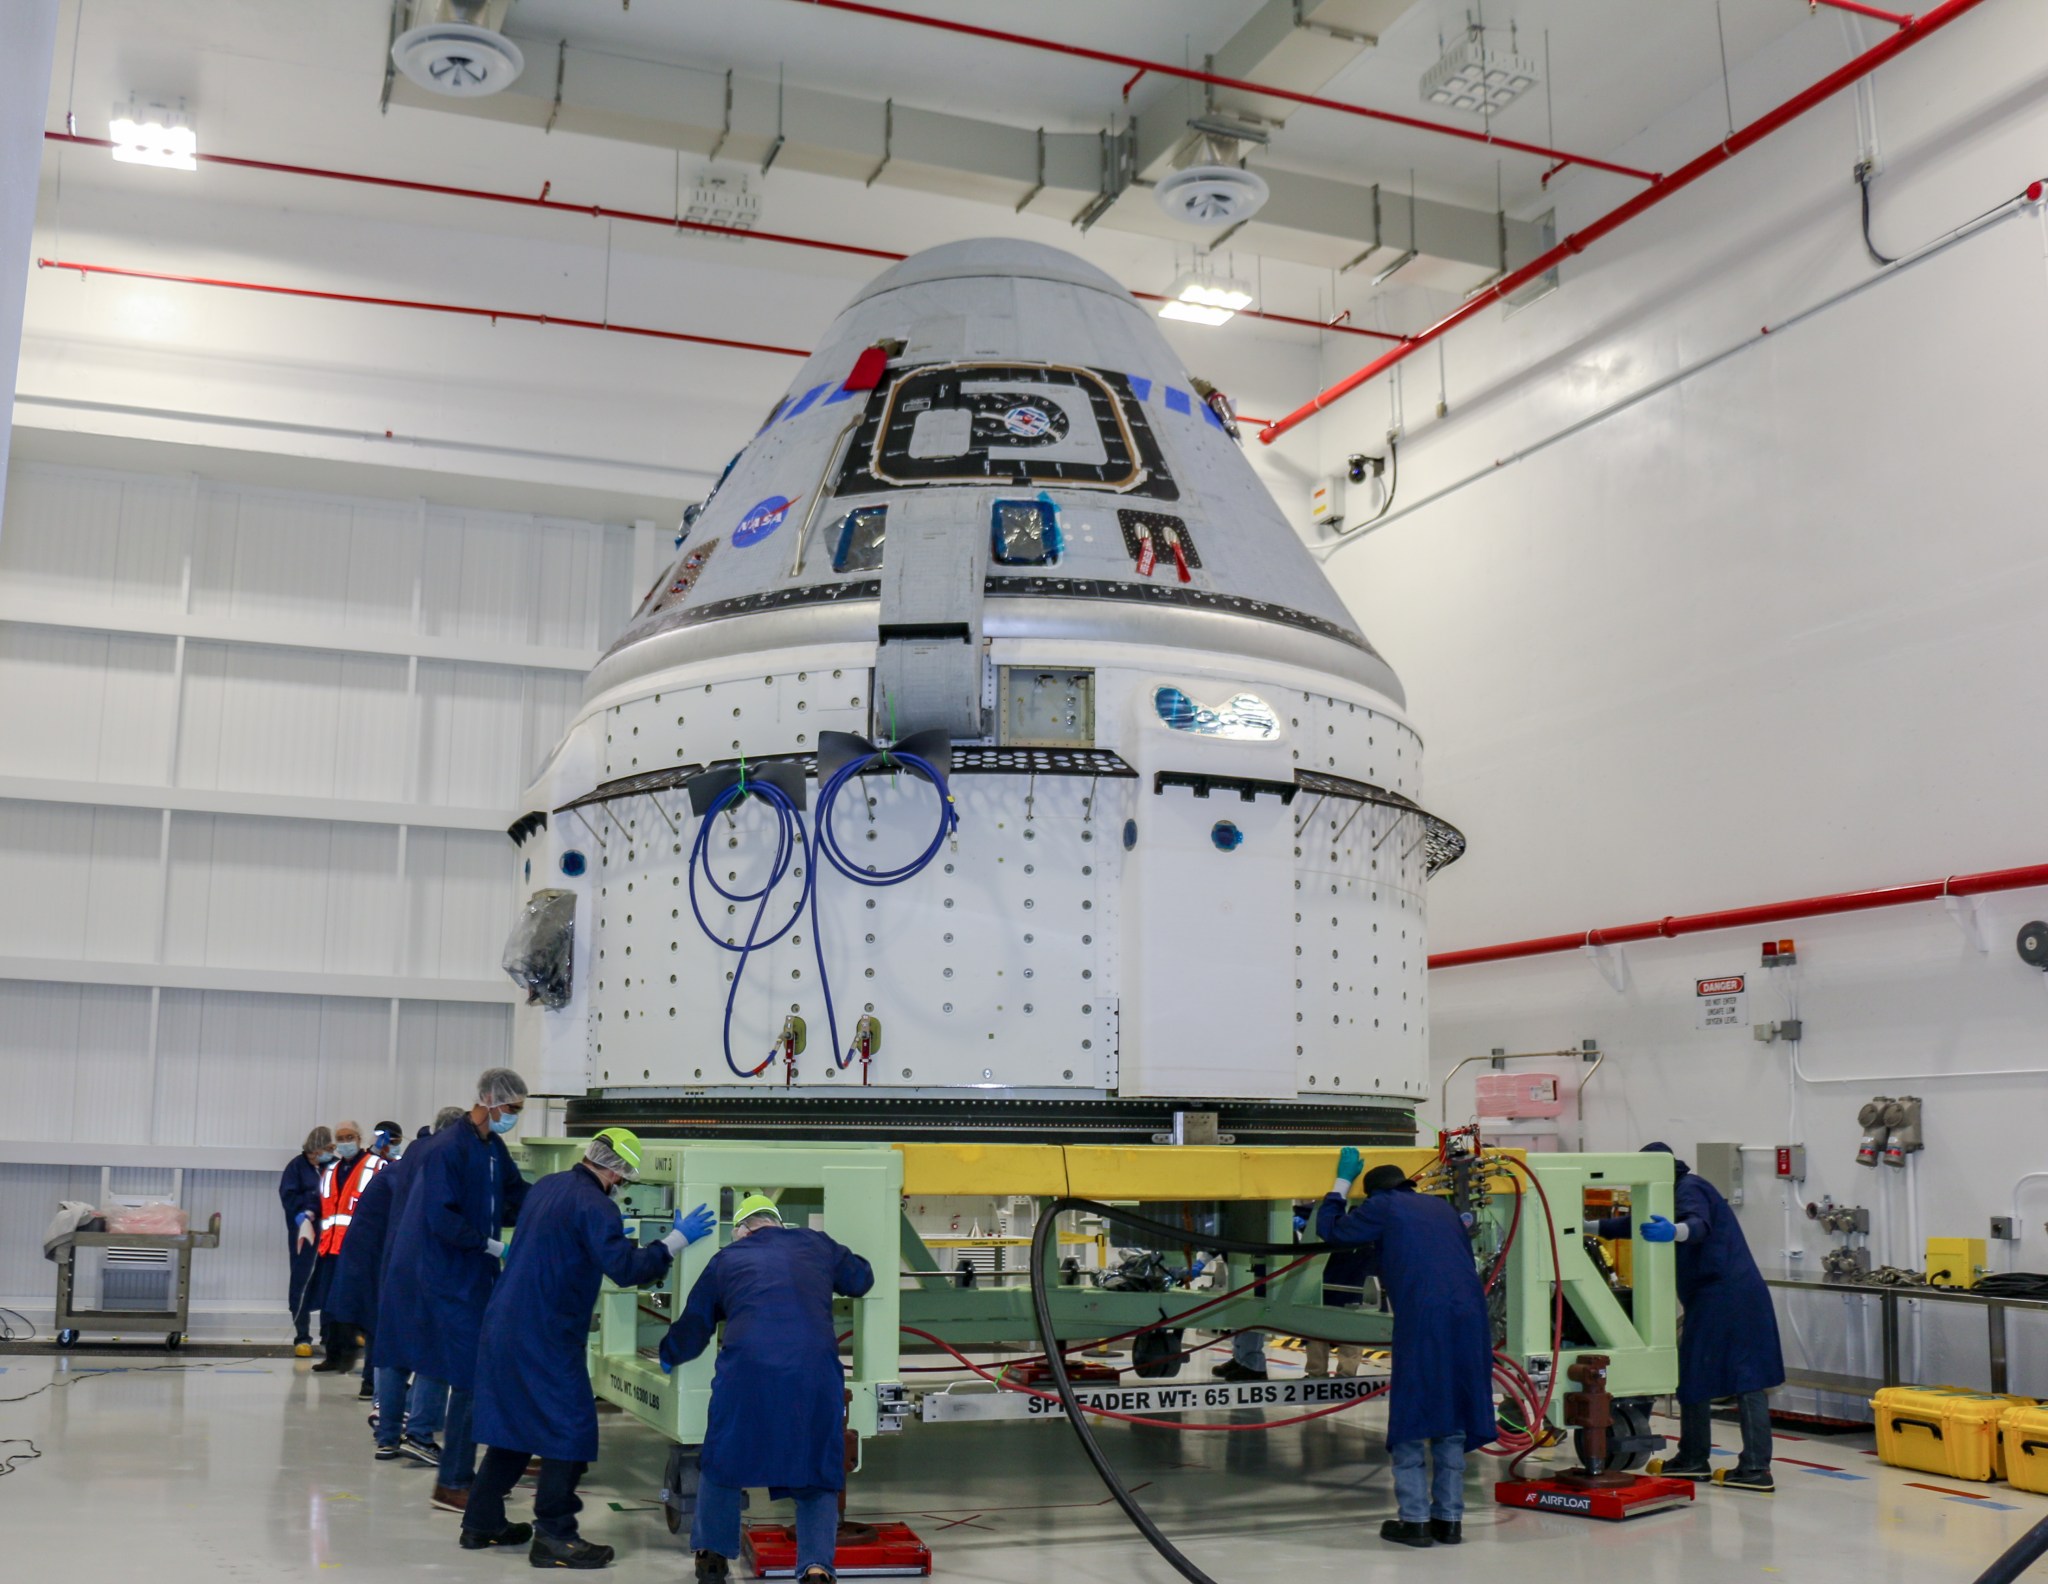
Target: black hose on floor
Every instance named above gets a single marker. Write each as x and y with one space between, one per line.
2021 1555
1041 1305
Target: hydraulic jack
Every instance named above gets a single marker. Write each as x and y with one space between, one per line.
1594 1491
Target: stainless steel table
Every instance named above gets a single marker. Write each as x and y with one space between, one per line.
1888 1298
170 1323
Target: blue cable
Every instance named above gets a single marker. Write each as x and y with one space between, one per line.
791 842
825 843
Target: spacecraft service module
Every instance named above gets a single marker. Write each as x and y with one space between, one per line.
992 761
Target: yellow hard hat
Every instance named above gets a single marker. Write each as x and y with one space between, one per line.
623 1143
755 1204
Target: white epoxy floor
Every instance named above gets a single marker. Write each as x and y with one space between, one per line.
258 1470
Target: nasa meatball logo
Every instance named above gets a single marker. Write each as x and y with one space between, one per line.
761 520
1028 423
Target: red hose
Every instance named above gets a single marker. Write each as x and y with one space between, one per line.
1557 1321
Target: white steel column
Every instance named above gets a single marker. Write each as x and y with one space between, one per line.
24 96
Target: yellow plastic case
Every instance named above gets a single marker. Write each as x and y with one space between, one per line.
2024 1436
1944 1430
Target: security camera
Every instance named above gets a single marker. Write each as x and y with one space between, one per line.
1358 467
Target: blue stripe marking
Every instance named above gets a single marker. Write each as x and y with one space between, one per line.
1979 1501
804 401
1209 413
1141 387
842 394
1835 1474
1177 400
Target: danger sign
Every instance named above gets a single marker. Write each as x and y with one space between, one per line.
1723 1002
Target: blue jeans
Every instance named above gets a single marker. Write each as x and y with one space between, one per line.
1439 1493
716 1526
417 1411
458 1445
1248 1349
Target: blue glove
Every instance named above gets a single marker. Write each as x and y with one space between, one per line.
1350 1164
1197 1268
1301 1223
699 1224
666 1367
1658 1230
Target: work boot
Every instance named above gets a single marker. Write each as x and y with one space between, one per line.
388 1454
1447 1531
513 1534
1407 1534
366 1392
421 1449
448 1499
335 1364
816 1575
1234 1371
1674 1469
572 1553
1758 1480
711 1567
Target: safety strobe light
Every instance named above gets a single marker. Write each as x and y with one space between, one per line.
1201 298
1478 77
154 134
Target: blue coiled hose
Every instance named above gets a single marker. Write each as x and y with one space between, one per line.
791 844
825 845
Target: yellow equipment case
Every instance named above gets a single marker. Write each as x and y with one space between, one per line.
1945 1430
2024 1431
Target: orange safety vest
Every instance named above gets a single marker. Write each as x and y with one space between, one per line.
339 1191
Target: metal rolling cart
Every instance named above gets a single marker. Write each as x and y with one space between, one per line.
168 1322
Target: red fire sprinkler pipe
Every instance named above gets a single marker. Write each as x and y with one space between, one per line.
1748 917
467 310
1896 19
1189 74
1910 32
639 217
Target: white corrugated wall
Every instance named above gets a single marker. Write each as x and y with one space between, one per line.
258 748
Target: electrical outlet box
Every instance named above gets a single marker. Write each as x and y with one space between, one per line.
1791 1160
2001 1229
1955 1262
1326 502
1721 1165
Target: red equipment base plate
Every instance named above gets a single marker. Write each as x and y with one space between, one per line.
883 1550
1039 1376
1647 1494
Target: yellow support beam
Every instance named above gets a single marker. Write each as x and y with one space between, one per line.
1135 1171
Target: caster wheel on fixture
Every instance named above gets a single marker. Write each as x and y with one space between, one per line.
175 1340
67 1338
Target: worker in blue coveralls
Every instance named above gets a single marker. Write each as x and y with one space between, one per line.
410 1408
299 1191
1728 1346
1442 1390
443 1263
533 1394
778 1400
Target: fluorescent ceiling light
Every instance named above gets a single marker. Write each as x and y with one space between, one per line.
1202 298
1196 313
1478 77
154 134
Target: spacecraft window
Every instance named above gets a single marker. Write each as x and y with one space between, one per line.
862 538
1027 533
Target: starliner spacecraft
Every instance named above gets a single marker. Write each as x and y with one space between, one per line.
993 761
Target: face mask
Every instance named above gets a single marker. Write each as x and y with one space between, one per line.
327 1158
505 1123
348 1149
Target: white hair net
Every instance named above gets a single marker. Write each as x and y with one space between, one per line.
448 1114
605 1158
500 1086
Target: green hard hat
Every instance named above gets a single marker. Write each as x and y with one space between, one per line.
755 1204
624 1143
